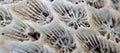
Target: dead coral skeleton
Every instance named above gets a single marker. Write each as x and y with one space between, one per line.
59 26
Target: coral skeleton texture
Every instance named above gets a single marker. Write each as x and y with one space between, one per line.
59 26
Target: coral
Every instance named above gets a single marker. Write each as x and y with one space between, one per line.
59 26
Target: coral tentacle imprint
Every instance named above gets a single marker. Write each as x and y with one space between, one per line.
59 26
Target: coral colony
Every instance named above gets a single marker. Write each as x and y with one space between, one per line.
59 26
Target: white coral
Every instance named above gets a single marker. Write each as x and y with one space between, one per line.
59 26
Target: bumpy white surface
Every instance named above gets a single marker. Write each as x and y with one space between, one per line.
60 26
